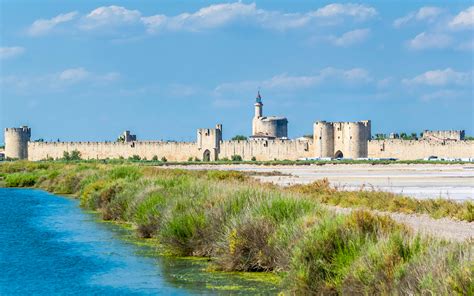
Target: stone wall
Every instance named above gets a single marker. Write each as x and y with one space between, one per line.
419 149
264 150
173 151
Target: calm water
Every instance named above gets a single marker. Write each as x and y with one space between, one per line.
49 246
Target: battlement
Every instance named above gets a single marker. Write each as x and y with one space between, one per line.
23 129
456 135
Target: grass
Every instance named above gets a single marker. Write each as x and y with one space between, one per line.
242 225
385 201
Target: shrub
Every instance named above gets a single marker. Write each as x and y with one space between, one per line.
125 172
154 158
134 158
322 257
254 158
21 180
148 214
247 246
236 158
75 155
163 159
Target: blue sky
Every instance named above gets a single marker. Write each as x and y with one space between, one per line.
87 70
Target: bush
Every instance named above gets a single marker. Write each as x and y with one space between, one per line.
75 155
254 158
163 159
154 158
248 247
134 158
236 158
21 180
125 172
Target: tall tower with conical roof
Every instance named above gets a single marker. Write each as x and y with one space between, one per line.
258 112
267 127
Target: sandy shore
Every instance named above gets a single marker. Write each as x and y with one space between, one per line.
415 180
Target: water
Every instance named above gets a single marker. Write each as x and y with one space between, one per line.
49 246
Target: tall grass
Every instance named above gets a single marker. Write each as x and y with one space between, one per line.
242 225
321 191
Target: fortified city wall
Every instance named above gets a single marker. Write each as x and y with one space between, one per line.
173 151
264 150
419 149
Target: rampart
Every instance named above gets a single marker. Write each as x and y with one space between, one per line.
264 150
419 149
173 151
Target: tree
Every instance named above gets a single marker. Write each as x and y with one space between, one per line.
75 155
239 138
236 158
121 139
134 158
66 156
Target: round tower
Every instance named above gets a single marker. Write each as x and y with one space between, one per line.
16 142
323 133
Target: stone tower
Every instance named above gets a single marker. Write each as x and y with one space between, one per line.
258 113
209 141
267 127
16 142
341 139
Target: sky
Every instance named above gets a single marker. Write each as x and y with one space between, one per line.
87 70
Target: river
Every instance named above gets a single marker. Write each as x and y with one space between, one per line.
49 246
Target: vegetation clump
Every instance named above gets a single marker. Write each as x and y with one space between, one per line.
243 225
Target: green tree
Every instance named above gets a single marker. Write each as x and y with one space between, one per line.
75 155
239 138
66 156
236 158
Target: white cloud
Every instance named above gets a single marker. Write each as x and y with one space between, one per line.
440 78
465 19
351 37
430 40
44 26
358 11
219 15
355 76
73 75
466 45
209 17
444 94
11 52
426 13
56 81
109 16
